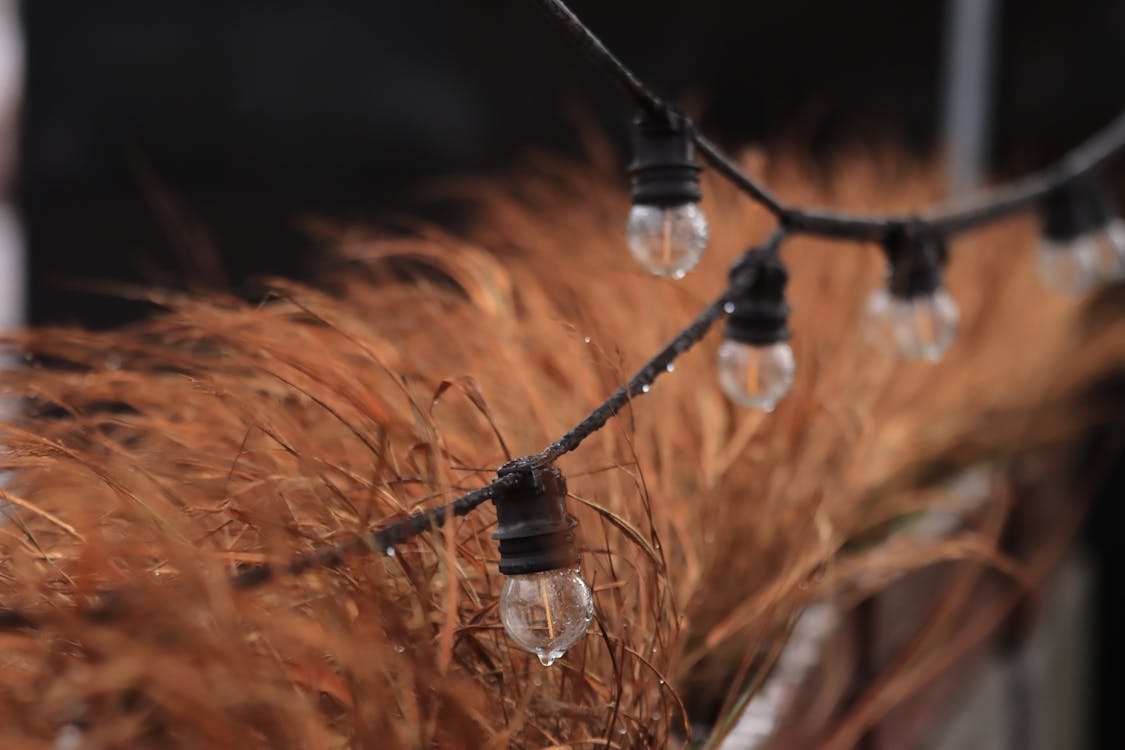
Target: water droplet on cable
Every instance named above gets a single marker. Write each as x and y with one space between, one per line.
728 307
390 551
586 340
646 388
670 367
662 683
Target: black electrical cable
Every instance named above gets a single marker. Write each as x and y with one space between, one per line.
642 381
1022 195
384 538
381 540
946 219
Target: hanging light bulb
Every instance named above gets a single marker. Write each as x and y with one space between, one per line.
667 231
921 327
914 312
547 613
756 364
1082 241
1110 258
667 240
545 604
1068 267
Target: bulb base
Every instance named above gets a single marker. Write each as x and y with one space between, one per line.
914 260
1078 208
664 169
534 531
760 315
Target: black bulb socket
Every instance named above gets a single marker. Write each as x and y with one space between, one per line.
915 257
759 316
534 531
1077 208
664 169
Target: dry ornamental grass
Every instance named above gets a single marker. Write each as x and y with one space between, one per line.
148 463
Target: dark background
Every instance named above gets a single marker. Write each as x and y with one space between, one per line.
252 113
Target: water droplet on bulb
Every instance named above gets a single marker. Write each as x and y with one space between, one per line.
679 274
646 388
671 367
547 658
728 308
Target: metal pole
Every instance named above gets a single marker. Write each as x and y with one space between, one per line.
970 46
12 261
13 276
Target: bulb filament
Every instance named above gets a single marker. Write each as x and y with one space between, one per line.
547 609
753 380
667 237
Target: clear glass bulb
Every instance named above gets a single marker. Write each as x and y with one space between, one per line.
667 240
921 327
547 613
1069 267
1109 260
756 377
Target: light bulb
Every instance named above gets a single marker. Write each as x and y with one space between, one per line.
756 377
667 240
1083 242
1109 254
921 327
1069 267
548 612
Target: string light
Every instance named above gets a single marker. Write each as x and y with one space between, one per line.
667 231
545 604
1083 242
756 364
914 312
